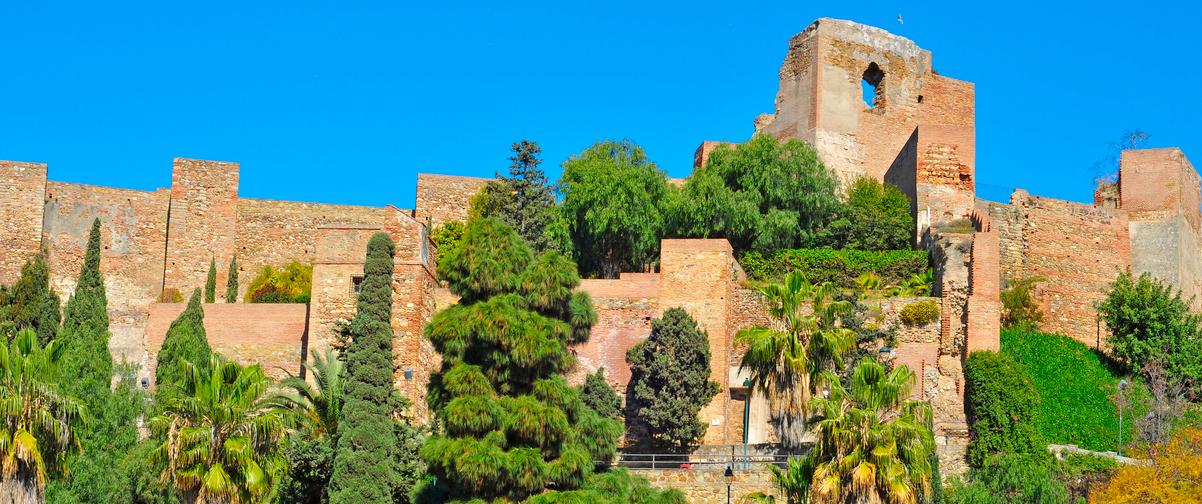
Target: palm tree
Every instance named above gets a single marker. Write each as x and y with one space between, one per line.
319 405
220 435
874 443
808 339
37 420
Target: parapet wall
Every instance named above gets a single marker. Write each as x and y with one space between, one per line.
1076 249
133 230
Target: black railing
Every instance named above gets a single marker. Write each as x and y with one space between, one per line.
735 459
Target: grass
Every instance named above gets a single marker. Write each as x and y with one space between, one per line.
1075 386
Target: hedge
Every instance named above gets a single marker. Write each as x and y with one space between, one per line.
920 313
840 267
1002 406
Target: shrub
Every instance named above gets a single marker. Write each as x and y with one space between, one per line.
1005 479
876 216
920 313
840 267
1018 308
1149 321
1173 475
1001 406
598 395
171 295
291 284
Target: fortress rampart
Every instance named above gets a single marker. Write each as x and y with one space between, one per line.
917 133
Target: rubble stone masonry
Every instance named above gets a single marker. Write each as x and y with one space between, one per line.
23 189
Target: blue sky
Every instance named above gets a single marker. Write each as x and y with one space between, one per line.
347 103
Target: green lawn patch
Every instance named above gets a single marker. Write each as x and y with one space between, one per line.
1075 386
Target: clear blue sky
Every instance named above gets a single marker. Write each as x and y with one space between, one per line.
347 104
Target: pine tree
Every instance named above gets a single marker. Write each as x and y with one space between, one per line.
527 198
670 374
31 304
365 469
231 284
513 428
185 341
85 330
598 395
211 282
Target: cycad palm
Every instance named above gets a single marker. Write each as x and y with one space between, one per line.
37 420
220 435
808 339
318 404
874 443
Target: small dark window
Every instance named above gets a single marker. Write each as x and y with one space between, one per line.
356 283
872 86
919 98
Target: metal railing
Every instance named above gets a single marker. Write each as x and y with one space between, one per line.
736 460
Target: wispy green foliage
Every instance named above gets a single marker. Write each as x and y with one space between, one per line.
615 486
598 395
1149 321
231 282
512 427
612 200
1005 479
446 236
876 216
1002 407
762 195
670 381
1019 308
85 331
185 340
219 438
211 282
30 303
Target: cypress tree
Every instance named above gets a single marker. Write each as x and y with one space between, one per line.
85 330
185 340
231 284
669 380
513 428
31 304
365 459
211 282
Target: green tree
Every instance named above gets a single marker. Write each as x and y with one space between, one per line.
38 420
85 331
30 303
783 362
219 439
446 237
670 380
1001 406
365 468
598 395
612 197
874 444
761 195
231 283
524 200
211 282
876 216
1149 321
512 428
185 341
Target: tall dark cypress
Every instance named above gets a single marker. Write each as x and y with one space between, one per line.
85 330
211 282
185 340
364 462
231 284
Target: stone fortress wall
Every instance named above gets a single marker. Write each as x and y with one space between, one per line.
917 134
